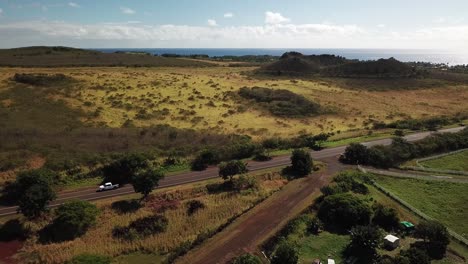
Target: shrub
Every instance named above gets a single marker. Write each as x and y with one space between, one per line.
194 205
89 259
314 226
280 102
244 182
121 171
227 170
385 217
301 162
285 254
13 230
344 211
246 259
40 79
72 220
205 158
142 227
413 256
364 241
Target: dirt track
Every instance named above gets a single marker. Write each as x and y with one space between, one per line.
250 230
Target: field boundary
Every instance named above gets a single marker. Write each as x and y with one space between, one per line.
423 168
413 209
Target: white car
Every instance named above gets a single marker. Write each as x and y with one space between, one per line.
107 186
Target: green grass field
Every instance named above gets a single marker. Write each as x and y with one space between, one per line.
443 201
457 162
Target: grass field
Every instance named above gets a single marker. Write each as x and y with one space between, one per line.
220 207
443 201
457 162
198 98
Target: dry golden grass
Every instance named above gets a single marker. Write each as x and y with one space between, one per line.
187 93
219 209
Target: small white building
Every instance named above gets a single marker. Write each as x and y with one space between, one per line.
391 241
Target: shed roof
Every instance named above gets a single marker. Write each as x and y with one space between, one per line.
391 238
407 224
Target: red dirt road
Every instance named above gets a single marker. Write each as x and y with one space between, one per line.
251 229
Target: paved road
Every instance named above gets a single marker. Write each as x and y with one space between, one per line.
90 194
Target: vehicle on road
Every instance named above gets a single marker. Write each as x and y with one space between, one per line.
108 186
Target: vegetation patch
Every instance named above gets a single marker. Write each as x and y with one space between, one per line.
444 201
456 162
280 102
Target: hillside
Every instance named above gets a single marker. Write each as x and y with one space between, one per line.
379 68
70 57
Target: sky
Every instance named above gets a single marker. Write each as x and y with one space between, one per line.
377 24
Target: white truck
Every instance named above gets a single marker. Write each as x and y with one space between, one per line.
108 186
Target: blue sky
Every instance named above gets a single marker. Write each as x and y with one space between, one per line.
236 23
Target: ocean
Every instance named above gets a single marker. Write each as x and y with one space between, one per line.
406 55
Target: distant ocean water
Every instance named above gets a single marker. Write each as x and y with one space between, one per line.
409 55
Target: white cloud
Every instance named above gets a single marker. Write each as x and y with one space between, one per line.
1 12
275 18
282 35
381 25
73 4
212 23
229 15
127 11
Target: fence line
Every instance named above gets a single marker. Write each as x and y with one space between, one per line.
452 233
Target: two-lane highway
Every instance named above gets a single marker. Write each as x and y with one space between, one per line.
90 194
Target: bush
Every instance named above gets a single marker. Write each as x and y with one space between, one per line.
72 220
40 79
205 158
244 182
285 254
193 206
227 170
413 256
280 102
13 230
89 259
364 242
385 217
436 238
122 170
355 153
142 228
344 211
246 259
301 162
314 226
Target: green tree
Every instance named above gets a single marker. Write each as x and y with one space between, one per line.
35 199
285 254
355 153
121 171
89 259
146 180
385 217
205 158
436 237
227 170
301 162
246 259
344 210
72 220
413 256
364 241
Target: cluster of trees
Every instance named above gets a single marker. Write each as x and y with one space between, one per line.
401 150
135 169
243 147
431 124
280 102
389 68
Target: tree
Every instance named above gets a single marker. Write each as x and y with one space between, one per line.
72 220
205 158
246 259
121 171
364 241
385 217
35 199
146 180
413 256
89 259
285 254
436 237
355 153
227 170
314 226
344 210
301 162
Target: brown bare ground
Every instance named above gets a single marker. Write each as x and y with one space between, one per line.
253 228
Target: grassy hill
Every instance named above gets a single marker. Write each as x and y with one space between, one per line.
41 56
